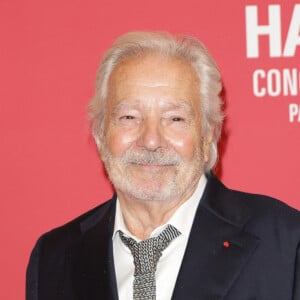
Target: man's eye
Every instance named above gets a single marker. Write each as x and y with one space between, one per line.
127 117
177 119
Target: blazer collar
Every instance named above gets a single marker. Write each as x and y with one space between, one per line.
218 247
225 203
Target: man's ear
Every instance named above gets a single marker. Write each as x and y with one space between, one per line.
101 152
99 144
207 140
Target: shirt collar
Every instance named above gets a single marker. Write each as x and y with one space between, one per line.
179 219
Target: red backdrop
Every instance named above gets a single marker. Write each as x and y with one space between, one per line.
50 51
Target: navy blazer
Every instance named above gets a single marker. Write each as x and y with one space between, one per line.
259 260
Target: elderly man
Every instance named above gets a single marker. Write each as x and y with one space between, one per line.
172 230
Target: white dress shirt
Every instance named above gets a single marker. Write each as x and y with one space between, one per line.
169 263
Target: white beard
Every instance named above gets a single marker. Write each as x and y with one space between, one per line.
175 180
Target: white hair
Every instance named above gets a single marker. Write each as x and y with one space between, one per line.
190 49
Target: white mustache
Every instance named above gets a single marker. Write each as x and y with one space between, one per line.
151 157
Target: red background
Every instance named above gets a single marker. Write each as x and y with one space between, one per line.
49 54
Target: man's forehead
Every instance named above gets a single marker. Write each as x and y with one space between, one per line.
159 64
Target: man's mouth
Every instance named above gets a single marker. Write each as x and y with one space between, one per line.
152 166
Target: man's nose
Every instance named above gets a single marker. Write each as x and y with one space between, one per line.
152 135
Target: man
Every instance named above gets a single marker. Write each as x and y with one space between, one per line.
172 230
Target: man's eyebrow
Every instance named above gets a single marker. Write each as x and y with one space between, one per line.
166 105
124 104
179 105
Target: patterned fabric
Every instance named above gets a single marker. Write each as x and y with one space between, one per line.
145 257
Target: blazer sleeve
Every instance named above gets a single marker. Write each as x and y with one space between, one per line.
32 274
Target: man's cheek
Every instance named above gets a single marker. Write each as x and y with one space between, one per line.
184 146
120 142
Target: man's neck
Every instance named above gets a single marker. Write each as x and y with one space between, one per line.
141 217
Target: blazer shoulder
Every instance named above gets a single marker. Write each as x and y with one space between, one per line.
50 257
270 218
267 206
240 207
68 233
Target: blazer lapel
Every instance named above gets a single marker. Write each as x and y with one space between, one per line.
92 258
218 248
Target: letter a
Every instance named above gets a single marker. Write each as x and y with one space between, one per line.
293 37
